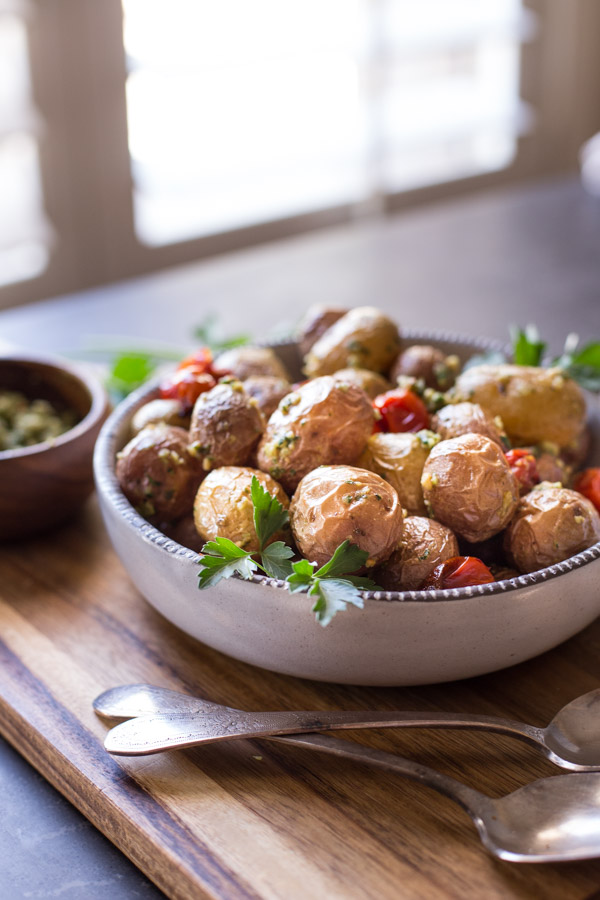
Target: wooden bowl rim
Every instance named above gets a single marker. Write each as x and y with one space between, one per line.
96 391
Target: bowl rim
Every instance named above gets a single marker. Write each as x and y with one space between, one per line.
108 486
98 402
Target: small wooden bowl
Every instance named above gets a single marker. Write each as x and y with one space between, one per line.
42 485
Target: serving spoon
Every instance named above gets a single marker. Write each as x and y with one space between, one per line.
162 719
550 820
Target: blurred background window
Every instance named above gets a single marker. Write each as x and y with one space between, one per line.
243 112
24 231
136 134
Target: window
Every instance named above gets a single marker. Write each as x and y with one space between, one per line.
25 234
136 134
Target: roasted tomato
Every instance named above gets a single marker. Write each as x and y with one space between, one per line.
400 410
194 375
588 484
524 467
457 572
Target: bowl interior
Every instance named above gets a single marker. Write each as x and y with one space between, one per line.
46 381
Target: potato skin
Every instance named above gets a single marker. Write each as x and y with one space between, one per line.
466 418
322 422
428 363
468 486
168 412
246 361
551 524
315 322
363 338
223 505
535 404
337 503
268 392
157 473
425 544
226 426
399 459
372 383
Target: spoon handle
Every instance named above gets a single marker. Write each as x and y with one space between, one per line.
172 730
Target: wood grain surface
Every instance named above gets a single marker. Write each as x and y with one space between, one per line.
258 819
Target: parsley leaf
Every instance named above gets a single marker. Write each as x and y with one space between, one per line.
333 594
583 366
276 560
347 558
222 559
128 372
269 514
528 348
329 584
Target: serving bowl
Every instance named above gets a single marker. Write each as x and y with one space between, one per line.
44 484
398 638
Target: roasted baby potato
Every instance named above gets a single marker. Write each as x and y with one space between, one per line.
246 361
322 422
226 426
535 404
468 486
428 364
316 321
337 503
467 418
158 474
399 458
268 391
168 412
363 338
371 382
223 506
551 524
425 544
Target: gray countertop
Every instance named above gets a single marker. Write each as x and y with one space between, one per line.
473 266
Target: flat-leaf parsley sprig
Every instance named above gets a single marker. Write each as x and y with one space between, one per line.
331 587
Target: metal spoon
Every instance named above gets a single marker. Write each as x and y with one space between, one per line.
169 720
550 820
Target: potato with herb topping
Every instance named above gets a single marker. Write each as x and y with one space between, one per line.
372 383
534 403
364 338
427 363
315 322
242 362
333 504
399 458
468 418
425 544
551 524
159 411
468 486
226 426
223 506
322 422
157 473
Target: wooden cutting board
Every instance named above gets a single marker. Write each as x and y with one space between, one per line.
250 819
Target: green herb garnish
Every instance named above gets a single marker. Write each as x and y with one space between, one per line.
528 348
209 334
330 585
332 588
128 372
582 365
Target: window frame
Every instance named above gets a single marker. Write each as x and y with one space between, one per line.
78 77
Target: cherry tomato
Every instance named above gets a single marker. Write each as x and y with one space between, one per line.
186 385
588 484
202 358
459 571
400 410
524 467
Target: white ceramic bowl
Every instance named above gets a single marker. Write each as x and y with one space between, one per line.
399 638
